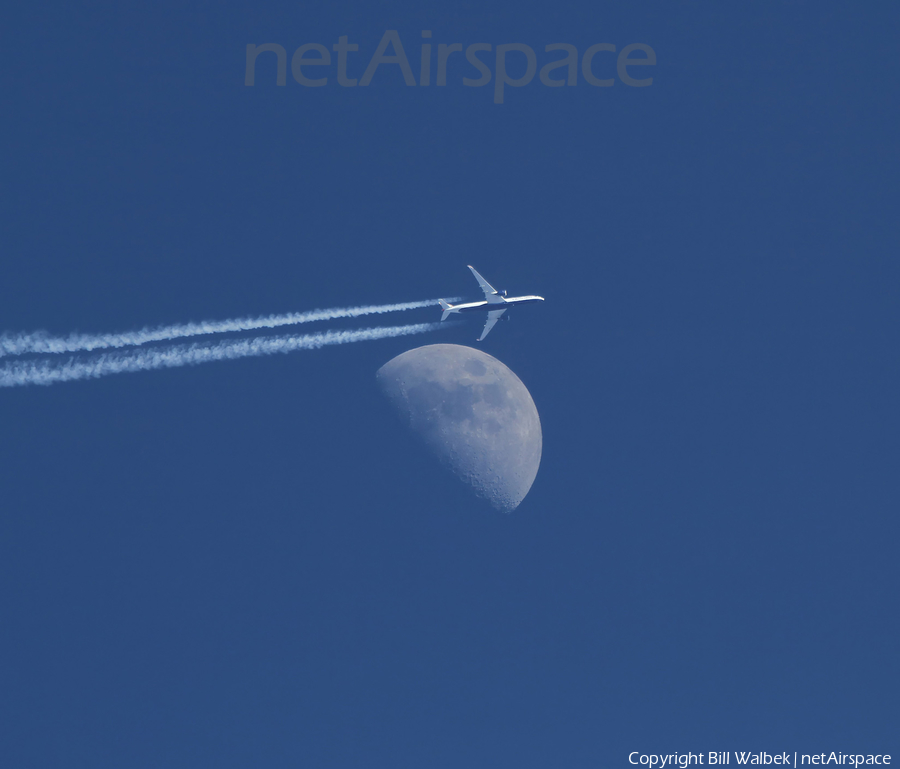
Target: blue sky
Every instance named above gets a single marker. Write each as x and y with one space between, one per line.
250 563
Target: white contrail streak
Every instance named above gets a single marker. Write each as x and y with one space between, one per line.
41 342
43 372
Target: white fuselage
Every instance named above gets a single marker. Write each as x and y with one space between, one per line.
495 304
504 304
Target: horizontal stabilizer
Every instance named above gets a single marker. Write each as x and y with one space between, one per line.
446 307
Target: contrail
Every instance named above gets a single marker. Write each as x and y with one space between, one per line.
42 372
40 342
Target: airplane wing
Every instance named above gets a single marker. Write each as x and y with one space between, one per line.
490 293
492 318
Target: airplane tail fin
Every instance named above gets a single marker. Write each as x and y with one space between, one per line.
445 306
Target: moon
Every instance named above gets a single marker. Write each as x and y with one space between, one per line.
473 413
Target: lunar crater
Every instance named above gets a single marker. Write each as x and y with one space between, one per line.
474 413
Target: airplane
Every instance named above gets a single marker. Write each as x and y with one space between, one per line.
495 302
